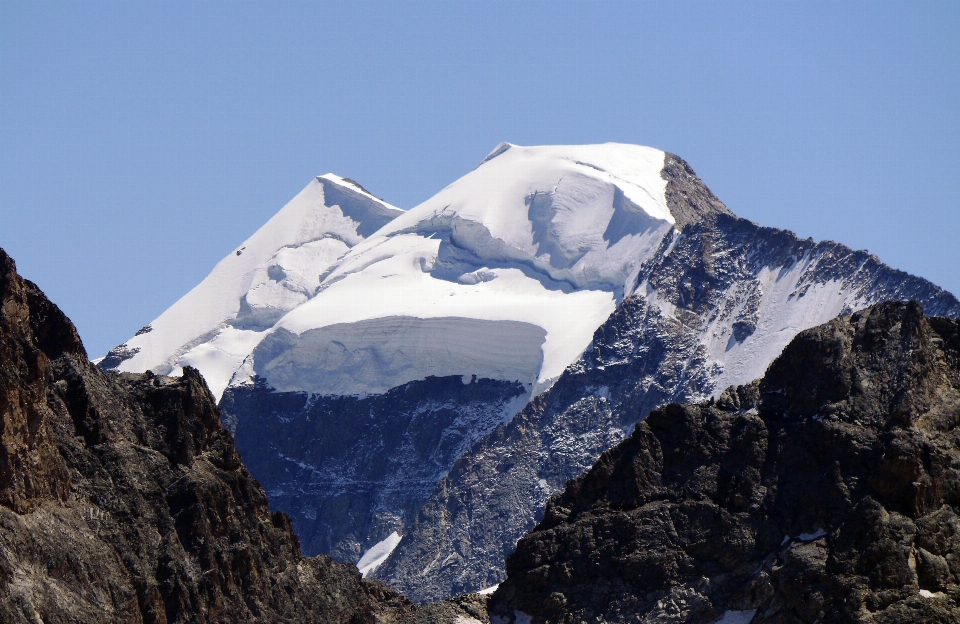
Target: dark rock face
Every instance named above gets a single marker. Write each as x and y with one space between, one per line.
649 352
829 491
690 200
351 470
123 499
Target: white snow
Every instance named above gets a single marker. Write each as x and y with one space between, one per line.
534 236
926 593
780 318
519 617
488 590
736 617
303 239
809 537
377 554
586 214
504 274
805 537
404 290
219 358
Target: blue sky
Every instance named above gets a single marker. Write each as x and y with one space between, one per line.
140 142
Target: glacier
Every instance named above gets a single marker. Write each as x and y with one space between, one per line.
505 274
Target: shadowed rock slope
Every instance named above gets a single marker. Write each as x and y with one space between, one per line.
349 470
826 492
123 499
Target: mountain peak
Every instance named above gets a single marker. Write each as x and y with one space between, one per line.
353 184
363 352
499 149
514 246
278 268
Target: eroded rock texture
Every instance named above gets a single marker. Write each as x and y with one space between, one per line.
828 491
123 499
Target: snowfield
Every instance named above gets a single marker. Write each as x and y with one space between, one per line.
505 274
377 554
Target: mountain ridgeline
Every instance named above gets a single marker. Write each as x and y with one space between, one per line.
439 373
828 491
123 499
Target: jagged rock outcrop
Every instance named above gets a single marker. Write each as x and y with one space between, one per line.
713 307
828 491
123 498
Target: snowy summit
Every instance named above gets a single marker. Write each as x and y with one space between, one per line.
505 274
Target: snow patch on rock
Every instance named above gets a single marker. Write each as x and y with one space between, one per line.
377 554
736 617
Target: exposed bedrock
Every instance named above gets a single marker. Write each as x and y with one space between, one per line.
123 498
828 491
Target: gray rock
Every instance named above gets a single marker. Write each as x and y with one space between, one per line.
827 492
351 470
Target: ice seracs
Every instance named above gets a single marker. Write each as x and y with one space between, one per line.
505 274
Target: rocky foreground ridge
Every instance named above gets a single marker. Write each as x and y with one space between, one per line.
123 499
828 491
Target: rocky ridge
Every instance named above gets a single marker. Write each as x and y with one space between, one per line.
724 287
827 491
123 499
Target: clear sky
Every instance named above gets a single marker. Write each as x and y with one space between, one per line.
140 142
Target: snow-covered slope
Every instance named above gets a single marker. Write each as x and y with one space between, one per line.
505 274
217 324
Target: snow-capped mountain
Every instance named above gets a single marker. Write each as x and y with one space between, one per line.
371 360
505 275
217 324
501 278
